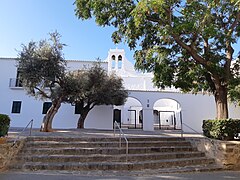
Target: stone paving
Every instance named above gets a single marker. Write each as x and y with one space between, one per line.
13 133
219 175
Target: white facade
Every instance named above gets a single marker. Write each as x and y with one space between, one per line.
147 107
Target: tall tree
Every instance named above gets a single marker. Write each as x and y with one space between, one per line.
42 68
234 85
185 43
94 87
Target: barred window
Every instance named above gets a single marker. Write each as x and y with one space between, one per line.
16 106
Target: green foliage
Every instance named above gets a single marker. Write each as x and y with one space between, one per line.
4 124
94 87
221 129
42 66
159 27
234 87
186 44
236 3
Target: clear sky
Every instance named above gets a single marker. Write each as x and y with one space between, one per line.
24 20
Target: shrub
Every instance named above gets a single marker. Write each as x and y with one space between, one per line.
221 129
4 124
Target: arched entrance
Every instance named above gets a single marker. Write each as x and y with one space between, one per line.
167 114
132 114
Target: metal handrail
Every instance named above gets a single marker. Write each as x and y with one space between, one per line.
30 131
121 134
189 128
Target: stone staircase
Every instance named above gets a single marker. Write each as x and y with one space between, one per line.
103 154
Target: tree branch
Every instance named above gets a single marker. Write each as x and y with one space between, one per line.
93 104
229 49
191 51
42 92
196 57
194 38
234 24
153 19
206 49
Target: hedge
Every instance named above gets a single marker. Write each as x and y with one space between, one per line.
4 124
221 129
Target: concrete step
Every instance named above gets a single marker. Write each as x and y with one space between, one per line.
149 172
102 139
53 144
104 150
108 158
184 169
156 164
103 154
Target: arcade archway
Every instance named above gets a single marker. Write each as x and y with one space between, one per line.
130 115
167 114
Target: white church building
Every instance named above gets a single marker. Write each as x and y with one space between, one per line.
147 107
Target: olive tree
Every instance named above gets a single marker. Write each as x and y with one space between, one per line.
93 87
42 68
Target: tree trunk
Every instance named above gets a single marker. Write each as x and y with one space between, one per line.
48 118
221 102
81 120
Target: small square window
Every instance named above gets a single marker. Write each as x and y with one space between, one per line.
46 106
77 108
16 106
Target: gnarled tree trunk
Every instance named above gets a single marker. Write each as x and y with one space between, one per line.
48 118
221 102
81 120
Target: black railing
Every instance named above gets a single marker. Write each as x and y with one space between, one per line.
30 131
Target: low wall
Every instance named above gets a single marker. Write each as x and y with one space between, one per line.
226 153
8 152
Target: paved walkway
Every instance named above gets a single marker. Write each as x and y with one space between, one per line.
13 133
229 175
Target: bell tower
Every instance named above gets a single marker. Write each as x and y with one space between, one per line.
116 59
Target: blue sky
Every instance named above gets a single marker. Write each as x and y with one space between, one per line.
24 20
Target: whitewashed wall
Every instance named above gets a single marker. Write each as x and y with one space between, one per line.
99 117
75 65
194 108
32 108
